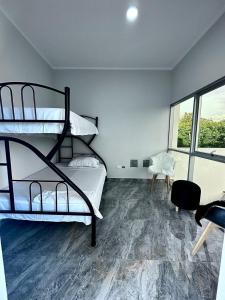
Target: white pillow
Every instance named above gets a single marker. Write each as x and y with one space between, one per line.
81 162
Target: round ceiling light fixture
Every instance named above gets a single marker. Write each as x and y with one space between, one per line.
132 13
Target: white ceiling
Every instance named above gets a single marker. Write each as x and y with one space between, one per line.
95 33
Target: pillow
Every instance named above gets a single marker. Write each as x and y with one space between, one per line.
81 162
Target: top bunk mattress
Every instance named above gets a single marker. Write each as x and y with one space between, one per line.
79 125
89 180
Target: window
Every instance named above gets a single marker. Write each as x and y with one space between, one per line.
211 124
181 167
181 125
209 175
197 139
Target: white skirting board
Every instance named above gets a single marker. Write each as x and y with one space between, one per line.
221 286
3 292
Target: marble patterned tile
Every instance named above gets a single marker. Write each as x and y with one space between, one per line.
64 278
143 252
202 278
151 280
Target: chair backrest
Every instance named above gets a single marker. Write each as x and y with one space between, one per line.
164 160
185 194
216 215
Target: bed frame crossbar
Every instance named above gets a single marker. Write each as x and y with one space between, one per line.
87 144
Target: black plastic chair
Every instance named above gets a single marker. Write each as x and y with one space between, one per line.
216 216
185 195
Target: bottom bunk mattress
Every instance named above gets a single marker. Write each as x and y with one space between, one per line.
89 180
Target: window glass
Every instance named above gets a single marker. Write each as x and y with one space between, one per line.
211 124
181 165
209 175
181 125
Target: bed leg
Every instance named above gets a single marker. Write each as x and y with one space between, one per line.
93 231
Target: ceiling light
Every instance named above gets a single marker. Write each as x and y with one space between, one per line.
132 13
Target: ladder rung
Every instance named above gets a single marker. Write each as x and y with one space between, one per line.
3 164
5 191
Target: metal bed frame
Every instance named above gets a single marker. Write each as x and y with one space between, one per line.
46 159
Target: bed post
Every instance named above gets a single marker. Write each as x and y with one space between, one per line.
66 125
93 231
9 171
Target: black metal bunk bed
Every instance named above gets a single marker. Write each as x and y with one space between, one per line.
45 158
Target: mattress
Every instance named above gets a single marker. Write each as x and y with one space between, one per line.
79 125
90 180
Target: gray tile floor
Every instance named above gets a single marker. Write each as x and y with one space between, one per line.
143 252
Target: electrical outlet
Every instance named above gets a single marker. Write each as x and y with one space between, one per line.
146 163
121 167
133 163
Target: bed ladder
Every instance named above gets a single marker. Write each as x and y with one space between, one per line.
7 164
69 147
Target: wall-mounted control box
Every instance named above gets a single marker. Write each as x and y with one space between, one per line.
133 163
146 163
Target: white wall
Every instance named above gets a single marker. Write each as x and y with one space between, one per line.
133 110
20 62
204 64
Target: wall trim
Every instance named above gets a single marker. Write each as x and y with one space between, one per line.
111 68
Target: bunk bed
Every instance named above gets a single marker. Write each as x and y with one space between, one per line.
73 193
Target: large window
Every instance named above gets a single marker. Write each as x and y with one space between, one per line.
197 139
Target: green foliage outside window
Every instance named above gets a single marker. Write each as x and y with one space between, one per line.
211 133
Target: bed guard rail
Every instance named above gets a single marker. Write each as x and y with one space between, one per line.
64 181
8 87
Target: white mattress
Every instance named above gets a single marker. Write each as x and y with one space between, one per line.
79 125
90 180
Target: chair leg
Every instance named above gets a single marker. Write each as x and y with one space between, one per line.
154 177
93 231
203 237
168 183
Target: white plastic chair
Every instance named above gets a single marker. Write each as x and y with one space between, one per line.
162 164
